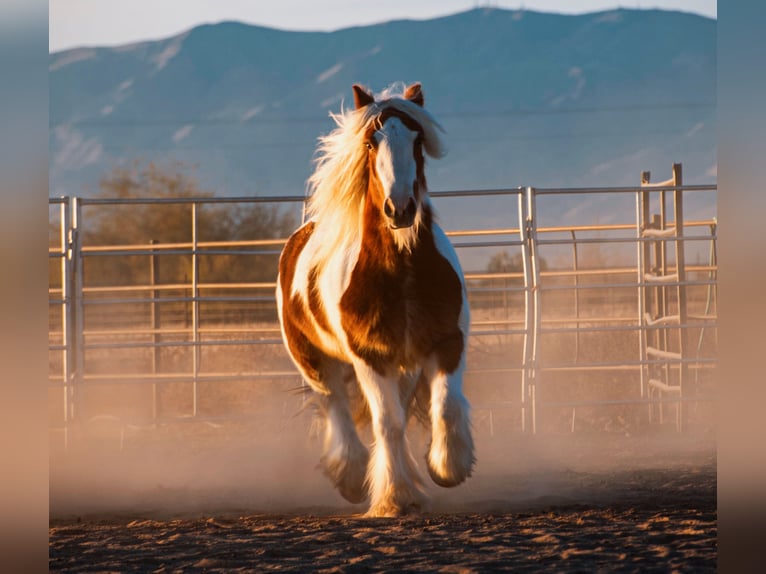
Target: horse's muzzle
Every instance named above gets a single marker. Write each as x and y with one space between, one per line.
400 218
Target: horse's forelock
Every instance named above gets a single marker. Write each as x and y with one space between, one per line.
433 143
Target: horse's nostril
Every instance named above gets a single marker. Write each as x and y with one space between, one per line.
388 208
411 208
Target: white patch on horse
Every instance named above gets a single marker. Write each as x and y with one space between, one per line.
331 282
397 169
395 162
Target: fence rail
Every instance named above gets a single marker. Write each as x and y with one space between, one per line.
537 316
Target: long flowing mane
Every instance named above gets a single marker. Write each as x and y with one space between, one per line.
339 183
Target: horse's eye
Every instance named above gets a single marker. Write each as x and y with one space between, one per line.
368 145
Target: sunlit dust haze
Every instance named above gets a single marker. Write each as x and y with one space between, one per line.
269 464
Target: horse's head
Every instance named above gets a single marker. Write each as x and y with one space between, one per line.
374 159
395 141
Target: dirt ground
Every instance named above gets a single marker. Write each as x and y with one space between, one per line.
569 503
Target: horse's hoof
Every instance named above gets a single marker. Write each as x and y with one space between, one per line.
449 481
450 459
392 510
348 476
353 493
449 470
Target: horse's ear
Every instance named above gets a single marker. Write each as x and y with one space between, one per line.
362 97
414 93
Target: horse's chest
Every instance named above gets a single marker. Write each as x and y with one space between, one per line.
395 315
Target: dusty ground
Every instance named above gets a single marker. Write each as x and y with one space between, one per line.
572 503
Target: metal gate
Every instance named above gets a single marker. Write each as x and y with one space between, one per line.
537 315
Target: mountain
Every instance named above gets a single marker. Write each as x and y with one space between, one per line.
526 98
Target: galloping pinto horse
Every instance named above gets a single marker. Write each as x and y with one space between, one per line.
372 304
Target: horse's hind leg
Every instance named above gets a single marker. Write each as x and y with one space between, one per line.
394 484
451 453
344 458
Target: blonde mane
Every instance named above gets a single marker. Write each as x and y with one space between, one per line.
339 183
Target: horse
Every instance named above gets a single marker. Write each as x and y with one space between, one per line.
373 307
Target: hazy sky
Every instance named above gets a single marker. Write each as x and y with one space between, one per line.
113 22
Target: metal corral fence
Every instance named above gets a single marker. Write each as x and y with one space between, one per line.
570 316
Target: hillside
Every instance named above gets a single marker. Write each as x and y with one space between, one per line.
526 98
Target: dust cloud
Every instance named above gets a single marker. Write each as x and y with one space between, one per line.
269 465
188 467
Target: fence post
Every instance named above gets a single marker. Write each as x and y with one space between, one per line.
195 310
67 325
78 309
154 279
533 291
528 317
576 269
642 221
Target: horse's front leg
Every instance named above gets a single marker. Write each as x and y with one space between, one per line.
394 484
451 452
344 459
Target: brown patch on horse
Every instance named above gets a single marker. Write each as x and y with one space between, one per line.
407 120
296 324
373 313
438 293
415 297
